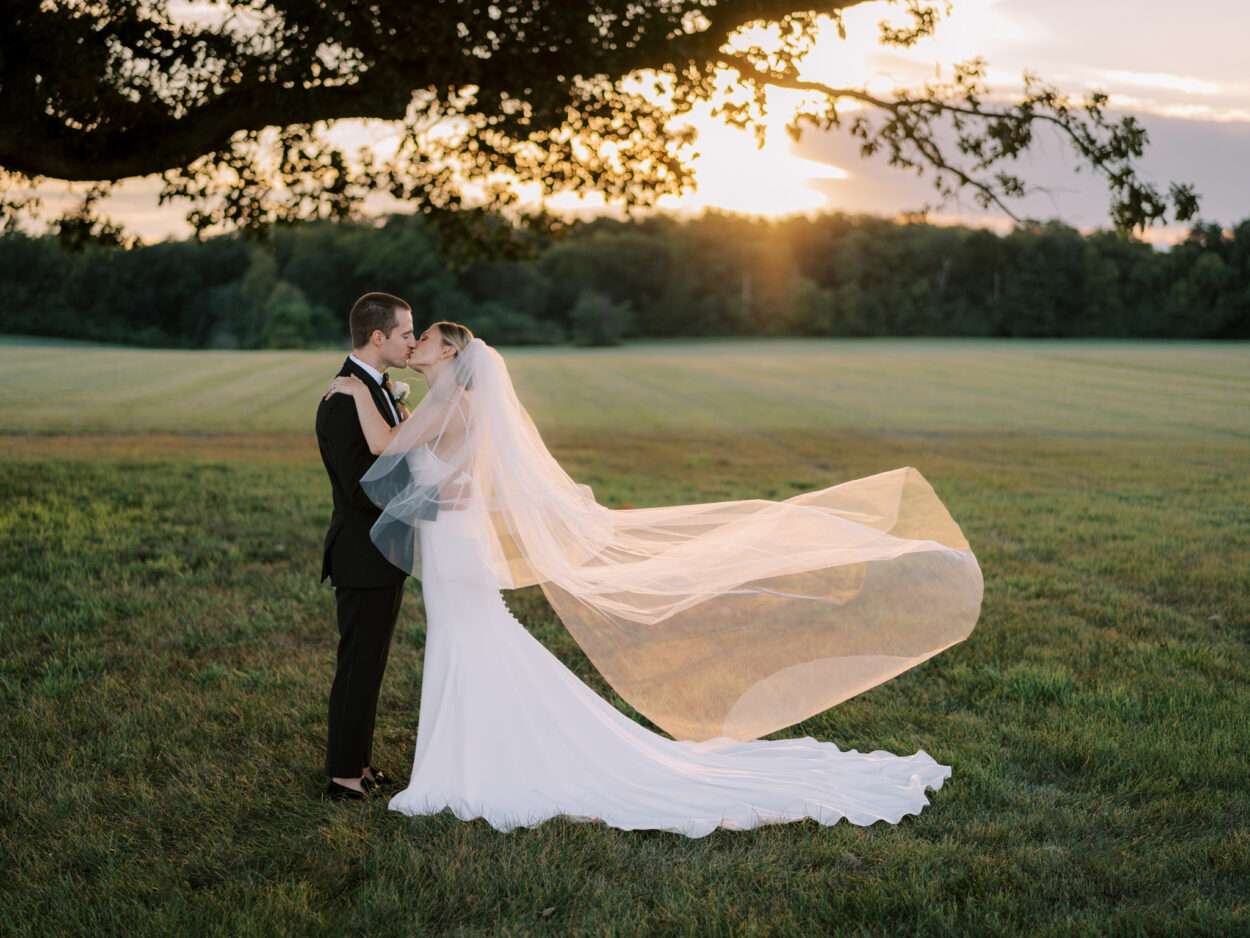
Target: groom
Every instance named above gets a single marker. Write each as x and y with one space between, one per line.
367 588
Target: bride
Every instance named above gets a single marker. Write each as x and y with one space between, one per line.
720 622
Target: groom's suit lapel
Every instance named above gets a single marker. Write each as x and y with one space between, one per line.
376 391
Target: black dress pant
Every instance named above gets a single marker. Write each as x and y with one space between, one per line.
366 622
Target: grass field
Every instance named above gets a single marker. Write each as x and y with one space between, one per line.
871 385
166 651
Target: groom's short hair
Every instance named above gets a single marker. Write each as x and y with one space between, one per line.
373 311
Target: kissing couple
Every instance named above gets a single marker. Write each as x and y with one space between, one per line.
719 623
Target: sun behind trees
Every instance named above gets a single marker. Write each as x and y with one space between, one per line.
231 103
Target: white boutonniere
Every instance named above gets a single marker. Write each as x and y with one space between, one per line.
400 391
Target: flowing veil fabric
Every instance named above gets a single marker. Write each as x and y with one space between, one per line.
725 619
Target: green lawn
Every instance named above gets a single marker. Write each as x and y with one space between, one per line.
165 650
873 385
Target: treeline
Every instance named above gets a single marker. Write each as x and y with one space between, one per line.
718 275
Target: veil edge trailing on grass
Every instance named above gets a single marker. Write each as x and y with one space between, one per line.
733 618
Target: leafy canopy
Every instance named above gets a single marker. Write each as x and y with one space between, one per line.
234 108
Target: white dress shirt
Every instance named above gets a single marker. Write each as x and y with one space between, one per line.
377 379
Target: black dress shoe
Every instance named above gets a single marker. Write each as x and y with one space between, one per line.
380 779
336 792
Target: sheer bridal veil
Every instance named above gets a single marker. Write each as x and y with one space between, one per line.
733 618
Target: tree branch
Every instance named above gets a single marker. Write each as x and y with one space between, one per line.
528 91
157 143
1134 203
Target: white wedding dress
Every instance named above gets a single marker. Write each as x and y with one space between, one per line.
507 733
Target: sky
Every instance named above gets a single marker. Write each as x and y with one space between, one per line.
1180 68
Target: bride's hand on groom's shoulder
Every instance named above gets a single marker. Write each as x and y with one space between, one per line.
344 384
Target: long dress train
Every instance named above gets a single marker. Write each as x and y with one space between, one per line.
507 733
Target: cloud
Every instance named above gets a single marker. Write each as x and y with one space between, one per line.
1211 154
1184 83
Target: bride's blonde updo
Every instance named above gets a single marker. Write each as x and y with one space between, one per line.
458 336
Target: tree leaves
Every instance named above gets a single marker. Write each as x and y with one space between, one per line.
233 110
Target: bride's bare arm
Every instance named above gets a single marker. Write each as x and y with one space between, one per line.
377 432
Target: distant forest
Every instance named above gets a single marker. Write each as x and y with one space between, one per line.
606 280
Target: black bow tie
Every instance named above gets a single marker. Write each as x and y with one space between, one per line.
386 381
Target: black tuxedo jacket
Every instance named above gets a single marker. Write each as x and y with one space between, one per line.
350 559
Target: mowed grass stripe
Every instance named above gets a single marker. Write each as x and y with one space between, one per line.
733 390
224 395
874 394
1131 382
760 389
878 396
167 389
873 385
1220 361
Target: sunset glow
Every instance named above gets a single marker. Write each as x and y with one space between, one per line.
1145 55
